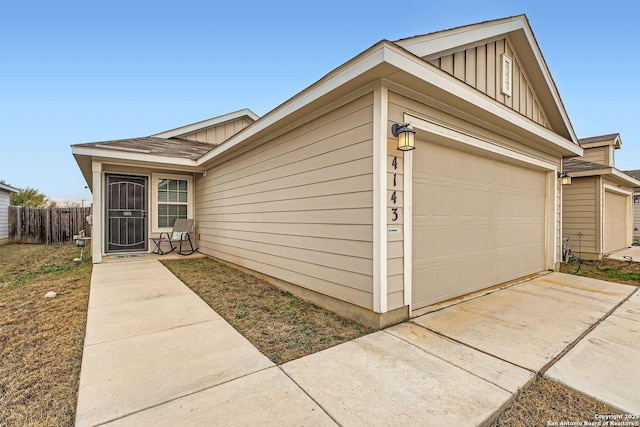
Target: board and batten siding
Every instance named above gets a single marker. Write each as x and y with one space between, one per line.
4 216
219 133
298 207
481 66
580 214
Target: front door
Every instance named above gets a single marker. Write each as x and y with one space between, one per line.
126 219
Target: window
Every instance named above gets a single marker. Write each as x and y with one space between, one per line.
172 197
507 78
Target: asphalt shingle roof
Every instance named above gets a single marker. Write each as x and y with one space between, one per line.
166 147
575 165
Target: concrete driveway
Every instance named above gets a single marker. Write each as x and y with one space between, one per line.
461 364
156 354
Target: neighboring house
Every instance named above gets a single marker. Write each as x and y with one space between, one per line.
636 207
597 206
315 196
5 201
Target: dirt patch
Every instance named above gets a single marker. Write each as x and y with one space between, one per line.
280 325
547 402
41 339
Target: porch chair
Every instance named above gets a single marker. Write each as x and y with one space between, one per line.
182 229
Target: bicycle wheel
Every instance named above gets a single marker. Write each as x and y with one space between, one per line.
574 262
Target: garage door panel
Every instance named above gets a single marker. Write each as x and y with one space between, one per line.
477 222
615 221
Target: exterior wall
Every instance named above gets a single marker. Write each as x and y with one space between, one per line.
219 133
481 66
298 207
636 215
581 216
597 155
399 104
4 216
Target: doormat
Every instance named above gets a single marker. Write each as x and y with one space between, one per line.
127 256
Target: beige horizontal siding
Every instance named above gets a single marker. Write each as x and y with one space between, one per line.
298 207
481 67
596 155
4 214
579 215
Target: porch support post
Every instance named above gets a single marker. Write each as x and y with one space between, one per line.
96 213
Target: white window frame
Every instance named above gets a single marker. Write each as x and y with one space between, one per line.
507 74
155 178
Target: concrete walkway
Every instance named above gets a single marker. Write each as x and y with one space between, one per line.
157 354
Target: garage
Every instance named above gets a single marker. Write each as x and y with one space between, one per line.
478 221
616 221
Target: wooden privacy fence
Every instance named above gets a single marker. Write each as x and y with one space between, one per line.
49 226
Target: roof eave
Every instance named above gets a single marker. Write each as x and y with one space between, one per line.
400 60
9 188
610 172
86 155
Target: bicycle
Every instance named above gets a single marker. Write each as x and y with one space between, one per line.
568 257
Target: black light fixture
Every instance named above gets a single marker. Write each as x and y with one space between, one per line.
565 178
406 136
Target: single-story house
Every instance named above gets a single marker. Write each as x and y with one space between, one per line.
636 207
597 212
5 201
316 197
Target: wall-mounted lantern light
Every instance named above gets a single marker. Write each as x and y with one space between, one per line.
636 199
406 136
565 179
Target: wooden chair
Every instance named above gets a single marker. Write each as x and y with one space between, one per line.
180 234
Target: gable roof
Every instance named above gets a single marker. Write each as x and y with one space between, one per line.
193 127
392 64
612 139
580 168
521 35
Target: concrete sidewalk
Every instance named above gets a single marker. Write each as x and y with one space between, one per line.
157 354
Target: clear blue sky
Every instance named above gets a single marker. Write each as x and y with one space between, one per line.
84 71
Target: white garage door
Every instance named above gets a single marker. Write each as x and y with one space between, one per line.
615 221
477 222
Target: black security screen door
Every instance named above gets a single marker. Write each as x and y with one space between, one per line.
126 203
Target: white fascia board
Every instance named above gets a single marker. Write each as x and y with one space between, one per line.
311 94
461 90
450 39
8 188
207 123
613 172
624 177
133 157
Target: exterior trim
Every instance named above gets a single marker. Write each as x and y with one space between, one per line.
97 243
408 225
380 121
8 188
